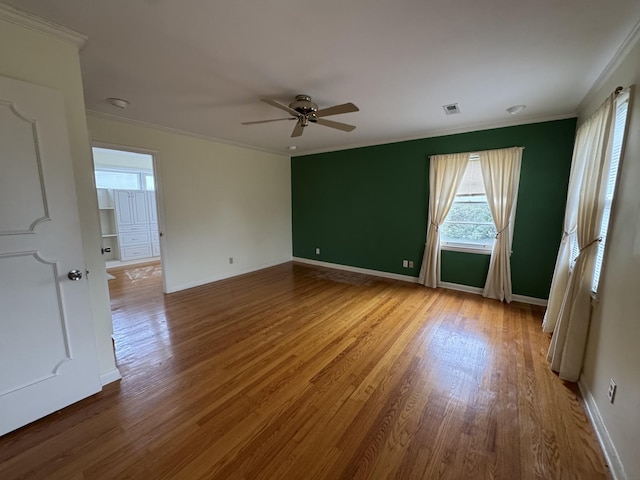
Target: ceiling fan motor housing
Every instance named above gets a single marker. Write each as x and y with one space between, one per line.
303 105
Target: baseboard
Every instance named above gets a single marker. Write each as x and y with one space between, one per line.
408 278
608 448
110 376
349 268
217 278
460 288
530 300
117 263
478 291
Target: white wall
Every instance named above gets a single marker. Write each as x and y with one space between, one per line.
613 349
38 58
219 200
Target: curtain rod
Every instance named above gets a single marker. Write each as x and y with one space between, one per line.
475 152
618 90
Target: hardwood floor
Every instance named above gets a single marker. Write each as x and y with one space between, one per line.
298 372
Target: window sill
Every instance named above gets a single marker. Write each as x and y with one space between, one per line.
466 248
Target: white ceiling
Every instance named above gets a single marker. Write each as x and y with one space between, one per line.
201 66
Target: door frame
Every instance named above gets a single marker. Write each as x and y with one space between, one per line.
159 194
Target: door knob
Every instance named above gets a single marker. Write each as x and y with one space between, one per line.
74 275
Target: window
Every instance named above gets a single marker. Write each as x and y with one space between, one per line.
469 225
149 183
123 179
620 121
114 179
618 139
124 170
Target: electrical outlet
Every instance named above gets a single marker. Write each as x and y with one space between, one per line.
410 263
405 263
230 260
612 390
317 250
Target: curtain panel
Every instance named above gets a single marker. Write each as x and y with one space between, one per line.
562 269
570 321
501 177
445 175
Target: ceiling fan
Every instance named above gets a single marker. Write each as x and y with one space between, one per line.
304 111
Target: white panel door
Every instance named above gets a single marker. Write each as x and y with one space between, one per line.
48 358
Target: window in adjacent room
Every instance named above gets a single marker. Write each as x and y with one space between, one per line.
122 170
469 225
117 179
149 183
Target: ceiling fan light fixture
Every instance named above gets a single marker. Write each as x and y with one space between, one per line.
118 102
516 109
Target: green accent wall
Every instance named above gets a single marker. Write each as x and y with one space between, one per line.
465 268
367 207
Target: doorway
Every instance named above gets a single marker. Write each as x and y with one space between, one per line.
129 208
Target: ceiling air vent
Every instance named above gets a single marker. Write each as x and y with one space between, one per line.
451 109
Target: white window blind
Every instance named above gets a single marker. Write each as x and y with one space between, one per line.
469 223
618 140
574 248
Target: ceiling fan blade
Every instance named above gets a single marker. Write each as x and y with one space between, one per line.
267 121
297 130
345 127
344 108
279 105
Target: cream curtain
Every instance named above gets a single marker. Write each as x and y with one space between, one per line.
445 175
566 351
501 176
563 267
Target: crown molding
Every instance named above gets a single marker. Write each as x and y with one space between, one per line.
622 52
443 132
425 135
28 20
175 131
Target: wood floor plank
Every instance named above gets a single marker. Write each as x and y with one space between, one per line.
298 372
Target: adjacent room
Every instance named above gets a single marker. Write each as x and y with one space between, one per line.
127 205
319 241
